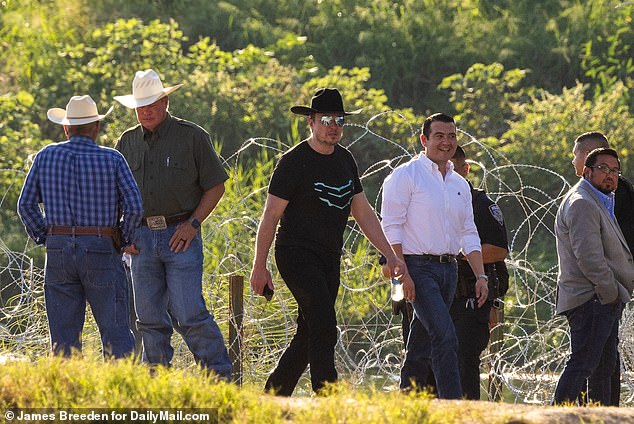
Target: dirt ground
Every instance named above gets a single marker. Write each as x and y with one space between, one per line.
505 413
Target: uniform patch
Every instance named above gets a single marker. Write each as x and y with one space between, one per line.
496 212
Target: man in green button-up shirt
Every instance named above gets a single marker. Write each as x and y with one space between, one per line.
181 181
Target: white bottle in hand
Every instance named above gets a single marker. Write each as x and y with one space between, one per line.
397 290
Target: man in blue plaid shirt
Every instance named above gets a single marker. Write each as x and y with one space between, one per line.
91 208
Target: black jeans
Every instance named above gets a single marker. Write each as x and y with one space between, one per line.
313 279
472 330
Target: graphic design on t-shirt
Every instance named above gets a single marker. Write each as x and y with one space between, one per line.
333 196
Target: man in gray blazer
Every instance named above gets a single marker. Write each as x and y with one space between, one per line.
596 276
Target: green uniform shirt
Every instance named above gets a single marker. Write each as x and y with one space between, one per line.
173 166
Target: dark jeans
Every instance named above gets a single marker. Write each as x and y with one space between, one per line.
313 279
615 380
432 338
80 269
593 344
472 330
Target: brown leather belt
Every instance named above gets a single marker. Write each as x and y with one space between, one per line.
61 230
160 222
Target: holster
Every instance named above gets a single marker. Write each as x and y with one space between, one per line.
467 281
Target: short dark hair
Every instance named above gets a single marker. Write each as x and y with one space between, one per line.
460 154
592 140
441 117
591 159
83 129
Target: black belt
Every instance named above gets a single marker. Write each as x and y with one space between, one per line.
161 222
443 259
61 230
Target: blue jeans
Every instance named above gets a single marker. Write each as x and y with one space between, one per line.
432 338
80 269
593 344
167 295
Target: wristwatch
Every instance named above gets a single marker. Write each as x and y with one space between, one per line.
486 277
195 223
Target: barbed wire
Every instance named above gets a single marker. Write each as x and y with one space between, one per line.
524 364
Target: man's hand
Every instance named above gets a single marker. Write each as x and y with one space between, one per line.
481 291
395 267
131 249
260 278
182 237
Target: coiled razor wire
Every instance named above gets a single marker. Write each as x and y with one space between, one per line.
523 365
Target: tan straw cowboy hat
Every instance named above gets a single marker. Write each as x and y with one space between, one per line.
146 89
79 110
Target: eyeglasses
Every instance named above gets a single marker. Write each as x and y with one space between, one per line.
607 170
327 120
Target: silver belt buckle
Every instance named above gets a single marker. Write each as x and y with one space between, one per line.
156 222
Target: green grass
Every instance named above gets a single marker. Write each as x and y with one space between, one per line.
85 383
80 385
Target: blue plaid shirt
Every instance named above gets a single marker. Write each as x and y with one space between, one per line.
80 184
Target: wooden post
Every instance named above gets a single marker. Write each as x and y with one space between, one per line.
236 312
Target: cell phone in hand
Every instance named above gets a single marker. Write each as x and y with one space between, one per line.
268 293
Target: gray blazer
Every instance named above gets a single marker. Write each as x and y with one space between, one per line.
593 256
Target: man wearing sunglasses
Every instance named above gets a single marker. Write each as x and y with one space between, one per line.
624 212
595 279
314 188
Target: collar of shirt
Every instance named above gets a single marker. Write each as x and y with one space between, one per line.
433 166
82 139
428 214
606 199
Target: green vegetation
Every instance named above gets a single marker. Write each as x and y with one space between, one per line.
55 383
82 386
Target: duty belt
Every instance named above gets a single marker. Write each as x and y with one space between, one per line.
61 230
161 222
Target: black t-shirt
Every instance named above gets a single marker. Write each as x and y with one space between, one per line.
624 210
319 189
489 221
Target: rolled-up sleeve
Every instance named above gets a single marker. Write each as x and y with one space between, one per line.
394 206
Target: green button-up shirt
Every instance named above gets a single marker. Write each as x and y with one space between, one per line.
173 165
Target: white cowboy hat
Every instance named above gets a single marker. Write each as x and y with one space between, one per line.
79 110
146 89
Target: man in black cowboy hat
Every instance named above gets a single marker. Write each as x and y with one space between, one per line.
313 190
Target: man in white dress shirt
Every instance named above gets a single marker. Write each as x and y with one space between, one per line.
428 219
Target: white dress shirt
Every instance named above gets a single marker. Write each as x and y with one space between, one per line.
427 214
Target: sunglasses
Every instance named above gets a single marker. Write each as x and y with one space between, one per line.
327 120
607 170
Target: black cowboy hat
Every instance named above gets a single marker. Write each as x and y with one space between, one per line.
325 100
